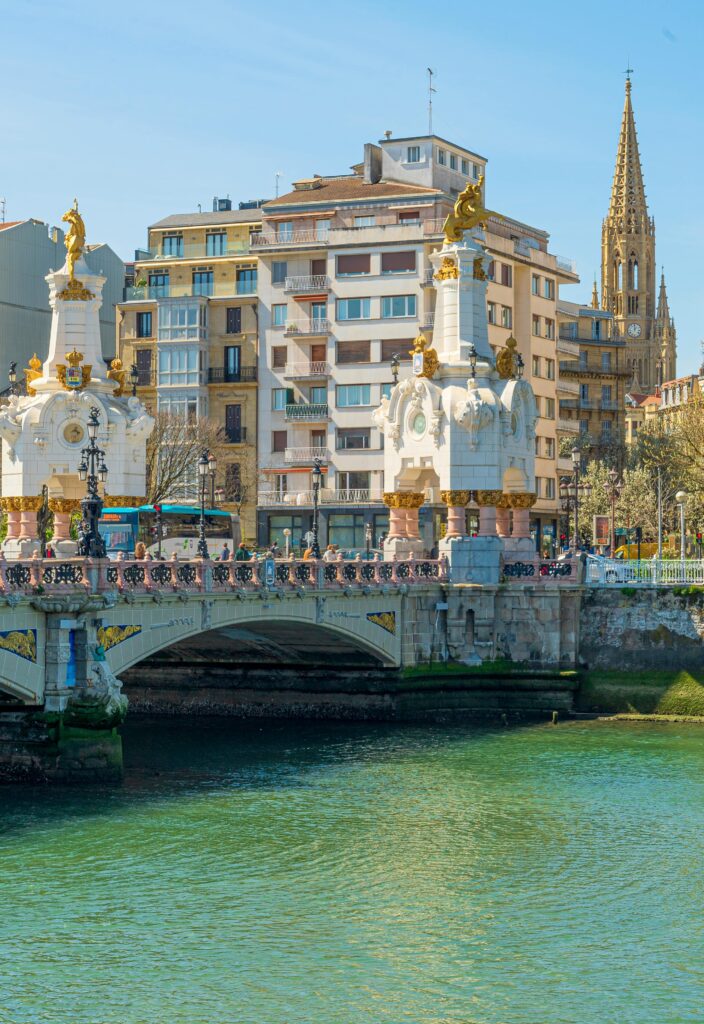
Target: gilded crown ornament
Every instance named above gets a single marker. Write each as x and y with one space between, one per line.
32 372
76 377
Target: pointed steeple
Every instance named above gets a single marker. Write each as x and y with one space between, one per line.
595 295
628 203
663 314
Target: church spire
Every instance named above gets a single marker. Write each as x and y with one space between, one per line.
663 314
595 296
628 203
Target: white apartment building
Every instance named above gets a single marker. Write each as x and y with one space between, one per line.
344 285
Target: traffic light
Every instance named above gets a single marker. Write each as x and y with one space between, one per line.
563 539
699 543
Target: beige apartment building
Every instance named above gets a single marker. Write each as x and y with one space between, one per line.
189 324
345 284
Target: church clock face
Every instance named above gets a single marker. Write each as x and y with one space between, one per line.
73 433
634 330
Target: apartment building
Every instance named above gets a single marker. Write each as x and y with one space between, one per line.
345 285
664 404
599 371
189 324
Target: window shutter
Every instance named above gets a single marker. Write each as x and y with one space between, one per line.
398 262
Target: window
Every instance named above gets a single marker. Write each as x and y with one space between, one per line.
354 351
247 281
279 440
386 390
606 362
284 230
549 447
278 356
350 395
453 162
584 360
158 286
179 364
549 327
398 262
144 325
596 329
400 347
537 447
231 366
465 167
365 221
549 488
536 366
280 487
353 480
584 426
182 321
606 428
536 325
413 155
550 369
347 528
279 270
216 243
549 408
476 171
233 424
506 274
442 156
321 230
184 406
143 358
548 288
535 284
353 438
318 395
584 392
506 316
632 304
278 314
398 305
279 398
353 309
606 394
233 320
491 270
319 315
202 282
491 312
353 264
319 268
172 245
409 217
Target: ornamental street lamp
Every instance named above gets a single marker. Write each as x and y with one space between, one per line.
571 490
12 378
212 466
317 477
472 350
134 378
680 498
93 471
519 366
203 468
613 489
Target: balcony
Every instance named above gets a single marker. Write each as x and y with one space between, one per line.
146 378
328 496
427 278
610 405
307 412
314 239
320 326
568 387
428 321
567 348
236 435
304 371
220 375
216 289
572 367
193 251
305 456
307 283
568 426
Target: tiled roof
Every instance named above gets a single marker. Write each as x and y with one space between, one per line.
351 187
10 224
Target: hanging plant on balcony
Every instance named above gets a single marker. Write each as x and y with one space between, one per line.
292 328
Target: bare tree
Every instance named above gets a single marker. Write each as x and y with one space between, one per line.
173 451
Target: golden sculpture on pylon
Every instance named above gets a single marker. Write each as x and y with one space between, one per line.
469 211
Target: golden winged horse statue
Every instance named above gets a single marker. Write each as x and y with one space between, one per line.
75 239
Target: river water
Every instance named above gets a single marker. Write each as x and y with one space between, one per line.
318 873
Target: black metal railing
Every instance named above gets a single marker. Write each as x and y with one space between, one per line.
221 375
236 435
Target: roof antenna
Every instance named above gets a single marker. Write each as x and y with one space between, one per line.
431 90
3 205
277 176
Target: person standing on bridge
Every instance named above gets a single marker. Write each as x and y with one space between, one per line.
242 554
225 553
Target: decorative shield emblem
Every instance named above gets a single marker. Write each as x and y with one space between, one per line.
418 363
74 377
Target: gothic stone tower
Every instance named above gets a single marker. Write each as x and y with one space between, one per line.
628 267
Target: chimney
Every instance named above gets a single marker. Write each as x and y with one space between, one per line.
372 163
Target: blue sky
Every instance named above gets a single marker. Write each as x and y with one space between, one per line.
145 110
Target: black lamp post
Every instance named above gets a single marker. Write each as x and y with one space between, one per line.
317 477
472 358
212 466
203 469
134 378
12 378
576 463
92 470
613 489
520 365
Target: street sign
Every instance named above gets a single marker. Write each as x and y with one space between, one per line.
621 531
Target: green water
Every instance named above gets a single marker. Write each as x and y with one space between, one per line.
364 875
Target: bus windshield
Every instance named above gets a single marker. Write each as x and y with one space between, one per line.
124 528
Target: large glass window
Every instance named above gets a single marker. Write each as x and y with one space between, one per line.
322 228
172 245
216 243
353 309
182 321
278 314
158 286
284 230
365 221
144 325
202 282
279 398
279 271
247 281
179 365
350 395
184 405
353 438
398 262
353 264
398 305
346 529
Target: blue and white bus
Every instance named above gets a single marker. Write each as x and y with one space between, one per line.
123 528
